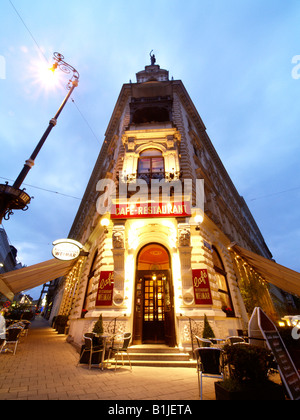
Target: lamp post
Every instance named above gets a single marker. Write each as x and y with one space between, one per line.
12 197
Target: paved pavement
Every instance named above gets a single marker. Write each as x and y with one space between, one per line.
44 368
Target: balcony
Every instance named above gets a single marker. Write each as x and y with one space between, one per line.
148 176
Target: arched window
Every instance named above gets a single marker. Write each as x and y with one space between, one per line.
153 257
223 288
151 164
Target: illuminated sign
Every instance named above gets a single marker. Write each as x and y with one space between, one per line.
66 249
136 210
201 286
105 289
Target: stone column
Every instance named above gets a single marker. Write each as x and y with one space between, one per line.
185 253
118 239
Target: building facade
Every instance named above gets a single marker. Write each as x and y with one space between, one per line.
8 260
158 222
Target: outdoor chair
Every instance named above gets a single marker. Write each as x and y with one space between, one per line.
2 344
26 327
120 347
209 364
203 342
241 343
12 337
234 339
89 350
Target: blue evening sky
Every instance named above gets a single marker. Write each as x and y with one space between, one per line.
237 59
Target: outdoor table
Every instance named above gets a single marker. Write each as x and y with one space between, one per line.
104 338
218 341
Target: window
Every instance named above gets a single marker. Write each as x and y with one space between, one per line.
151 165
150 114
89 287
222 284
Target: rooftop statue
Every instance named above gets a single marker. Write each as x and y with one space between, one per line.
153 59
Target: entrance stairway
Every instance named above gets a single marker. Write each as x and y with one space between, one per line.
158 355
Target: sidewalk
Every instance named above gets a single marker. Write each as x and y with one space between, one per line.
44 368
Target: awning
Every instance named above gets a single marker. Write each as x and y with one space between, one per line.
16 281
282 277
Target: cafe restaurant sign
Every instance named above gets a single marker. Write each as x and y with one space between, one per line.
201 286
139 210
66 249
105 289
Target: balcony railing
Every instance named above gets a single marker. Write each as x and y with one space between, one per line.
148 176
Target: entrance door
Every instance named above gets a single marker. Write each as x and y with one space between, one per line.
154 308
154 312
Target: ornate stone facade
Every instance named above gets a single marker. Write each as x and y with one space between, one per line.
155 123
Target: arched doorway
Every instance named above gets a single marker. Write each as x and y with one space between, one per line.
154 308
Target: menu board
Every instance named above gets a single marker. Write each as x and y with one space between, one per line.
286 367
105 289
201 286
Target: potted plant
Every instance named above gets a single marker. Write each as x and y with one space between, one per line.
61 323
83 313
98 327
53 322
207 330
228 311
248 368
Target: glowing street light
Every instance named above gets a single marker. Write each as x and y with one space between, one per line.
45 76
12 197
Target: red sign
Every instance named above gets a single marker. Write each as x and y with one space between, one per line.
201 287
136 210
105 289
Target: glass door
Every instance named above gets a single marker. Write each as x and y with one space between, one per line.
154 308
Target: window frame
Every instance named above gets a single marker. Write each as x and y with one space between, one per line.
221 270
88 290
150 158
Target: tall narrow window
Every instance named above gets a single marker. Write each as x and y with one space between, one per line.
89 287
151 165
223 288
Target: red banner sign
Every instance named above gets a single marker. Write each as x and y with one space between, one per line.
201 287
136 210
105 289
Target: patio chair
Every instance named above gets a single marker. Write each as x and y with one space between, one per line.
120 347
203 342
89 349
234 339
26 327
12 337
2 344
209 364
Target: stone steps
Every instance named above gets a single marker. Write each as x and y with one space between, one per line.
158 356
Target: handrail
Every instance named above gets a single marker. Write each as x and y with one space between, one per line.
191 331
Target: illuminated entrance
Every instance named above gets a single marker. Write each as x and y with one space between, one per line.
154 309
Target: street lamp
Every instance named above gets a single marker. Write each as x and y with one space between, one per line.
12 197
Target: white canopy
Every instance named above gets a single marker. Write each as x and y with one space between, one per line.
16 281
282 277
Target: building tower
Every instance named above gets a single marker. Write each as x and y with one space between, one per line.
157 220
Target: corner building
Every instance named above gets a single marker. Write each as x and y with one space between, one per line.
150 267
